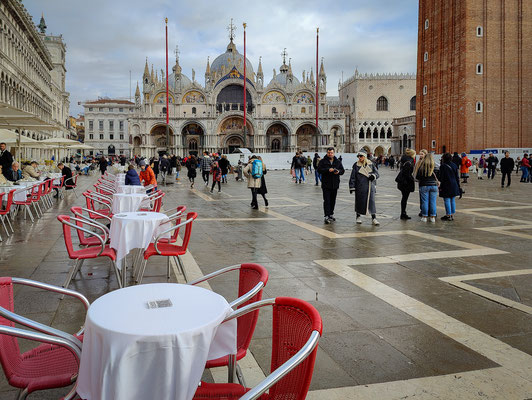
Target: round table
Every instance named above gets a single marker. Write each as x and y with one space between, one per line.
130 189
132 351
127 202
23 189
135 230
120 179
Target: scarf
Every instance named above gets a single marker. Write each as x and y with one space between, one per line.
365 168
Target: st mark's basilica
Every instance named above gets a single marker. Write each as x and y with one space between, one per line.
210 117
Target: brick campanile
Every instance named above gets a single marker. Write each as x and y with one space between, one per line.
474 75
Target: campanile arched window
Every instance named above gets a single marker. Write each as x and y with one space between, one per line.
382 104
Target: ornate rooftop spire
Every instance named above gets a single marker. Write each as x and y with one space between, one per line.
152 74
42 24
290 66
208 69
137 92
284 67
259 71
322 69
146 69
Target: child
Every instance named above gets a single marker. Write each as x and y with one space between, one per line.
216 176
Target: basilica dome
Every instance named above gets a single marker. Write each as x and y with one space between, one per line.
185 81
229 59
282 79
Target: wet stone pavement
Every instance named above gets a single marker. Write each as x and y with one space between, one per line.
410 309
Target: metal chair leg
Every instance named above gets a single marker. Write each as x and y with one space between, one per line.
70 276
231 367
168 268
117 273
22 394
240 375
9 223
182 268
141 272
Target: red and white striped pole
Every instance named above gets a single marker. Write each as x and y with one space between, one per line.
317 99
245 100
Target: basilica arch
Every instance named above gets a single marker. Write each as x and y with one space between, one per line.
306 137
277 137
193 137
157 138
230 97
233 126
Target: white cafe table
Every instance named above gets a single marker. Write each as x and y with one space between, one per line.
23 189
120 179
131 351
131 189
127 202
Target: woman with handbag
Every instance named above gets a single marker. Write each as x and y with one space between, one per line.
405 180
428 187
449 186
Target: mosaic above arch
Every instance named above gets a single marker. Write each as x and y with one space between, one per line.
193 97
232 124
274 96
303 98
161 99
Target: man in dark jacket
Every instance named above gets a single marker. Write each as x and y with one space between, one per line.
492 162
507 167
67 173
330 169
6 159
298 165
457 160
315 163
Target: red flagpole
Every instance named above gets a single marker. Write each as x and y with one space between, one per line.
167 111
245 102
317 87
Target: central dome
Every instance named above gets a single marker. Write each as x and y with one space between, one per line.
231 58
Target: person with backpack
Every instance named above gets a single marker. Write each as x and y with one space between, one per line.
315 163
405 180
492 162
363 183
465 164
253 172
309 164
216 172
298 165
263 190
330 168
449 186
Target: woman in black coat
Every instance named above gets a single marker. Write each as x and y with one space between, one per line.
192 165
449 186
103 165
405 179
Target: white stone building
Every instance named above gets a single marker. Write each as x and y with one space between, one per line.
280 114
106 126
373 102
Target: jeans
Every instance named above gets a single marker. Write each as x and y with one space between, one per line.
205 175
301 171
491 172
506 174
329 201
450 205
428 195
254 202
317 176
524 177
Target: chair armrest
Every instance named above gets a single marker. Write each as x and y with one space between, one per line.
215 274
242 299
284 369
86 231
97 213
173 228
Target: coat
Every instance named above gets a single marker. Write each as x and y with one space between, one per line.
216 173
330 180
132 178
67 172
13 176
405 180
507 164
224 165
464 168
6 160
191 167
148 176
29 172
449 180
103 165
253 183
364 188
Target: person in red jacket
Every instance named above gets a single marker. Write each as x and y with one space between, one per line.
464 168
525 166
147 176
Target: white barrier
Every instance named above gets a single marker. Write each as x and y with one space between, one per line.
277 161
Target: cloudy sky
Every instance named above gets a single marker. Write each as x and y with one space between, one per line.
106 39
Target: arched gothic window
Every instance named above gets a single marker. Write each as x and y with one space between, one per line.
193 144
375 134
389 133
361 133
383 135
382 104
413 103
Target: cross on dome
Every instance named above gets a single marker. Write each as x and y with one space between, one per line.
284 54
231 28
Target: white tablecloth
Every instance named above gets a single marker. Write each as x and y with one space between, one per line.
20 194
56 176
120 180
130 189
127 202
135 230
133 352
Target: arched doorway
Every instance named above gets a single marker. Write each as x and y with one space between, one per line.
111 150
158 138
137 142
277 138
231 97
306 137
234 127
366 149
233 142
379 151
193 138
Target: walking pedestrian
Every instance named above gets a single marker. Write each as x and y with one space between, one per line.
457 160
205 166
525 166
315 163
147 176
422 154
216 176
391 161
405 180
309 164
363 182
192 165
103 165
492 162
224 166
298 166
253 172
330 168
177 168
507 166
464 167
154 164
449 186
263 190
428 187
481 168
164 167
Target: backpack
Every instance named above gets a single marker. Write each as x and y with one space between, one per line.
256 169
468 163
